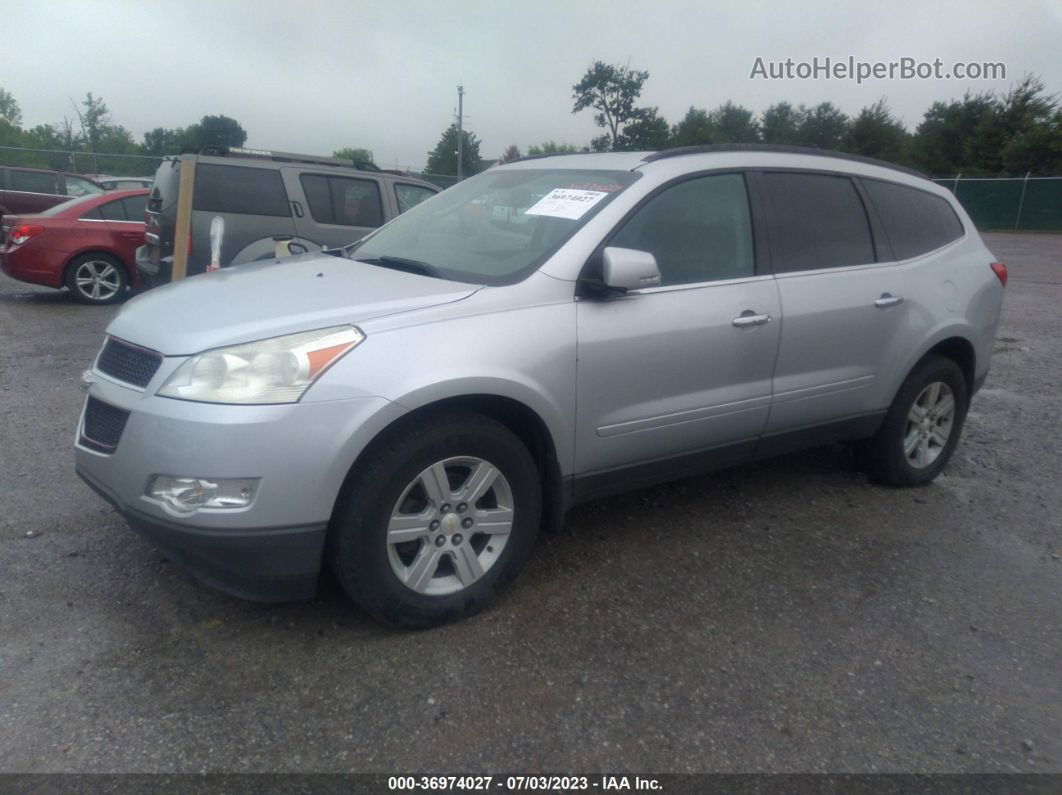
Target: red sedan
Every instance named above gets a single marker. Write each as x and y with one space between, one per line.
87 244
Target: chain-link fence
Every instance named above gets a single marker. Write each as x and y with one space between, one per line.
1028 202
79 162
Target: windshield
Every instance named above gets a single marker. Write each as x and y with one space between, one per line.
494 228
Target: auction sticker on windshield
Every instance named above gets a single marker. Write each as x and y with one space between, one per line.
566 203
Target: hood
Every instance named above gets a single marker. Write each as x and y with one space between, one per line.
268 299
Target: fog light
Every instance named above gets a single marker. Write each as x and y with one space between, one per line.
190 494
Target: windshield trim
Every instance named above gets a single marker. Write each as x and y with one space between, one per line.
468 277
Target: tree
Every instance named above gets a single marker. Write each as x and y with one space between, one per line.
734 124
356 154
611 91
875 132
511 153
943 142
161 141
551 147
217 131
442 159
1037 149
695 128
823 126
93 116
780 124
10 112
646 131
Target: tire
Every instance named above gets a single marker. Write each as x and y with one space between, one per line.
920 431
407 550
96 279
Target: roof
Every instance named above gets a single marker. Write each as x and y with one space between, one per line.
628 161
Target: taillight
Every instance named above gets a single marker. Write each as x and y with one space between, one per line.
1000 270
20 234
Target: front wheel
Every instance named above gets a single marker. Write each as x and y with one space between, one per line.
96 279
922 427
440 519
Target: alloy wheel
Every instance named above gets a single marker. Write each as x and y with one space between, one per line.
929 425
98 280
450 525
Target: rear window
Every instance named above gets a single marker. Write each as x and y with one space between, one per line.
343 201
819 222
915 221
240 189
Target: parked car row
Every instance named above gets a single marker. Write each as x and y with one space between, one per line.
310 202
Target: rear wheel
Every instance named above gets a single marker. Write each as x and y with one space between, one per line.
922 427
96 279
440 520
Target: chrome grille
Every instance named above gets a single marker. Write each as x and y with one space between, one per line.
128 363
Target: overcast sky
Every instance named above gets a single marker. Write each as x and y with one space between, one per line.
314 76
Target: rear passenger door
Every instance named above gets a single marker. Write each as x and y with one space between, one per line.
338 210
842 301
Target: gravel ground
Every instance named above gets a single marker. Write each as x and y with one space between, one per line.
786 616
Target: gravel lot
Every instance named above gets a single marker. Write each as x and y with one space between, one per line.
786 616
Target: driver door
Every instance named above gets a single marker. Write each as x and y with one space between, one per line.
673 377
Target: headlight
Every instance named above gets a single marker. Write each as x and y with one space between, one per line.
277 370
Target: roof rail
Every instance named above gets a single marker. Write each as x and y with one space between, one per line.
785 149
539 157
284 157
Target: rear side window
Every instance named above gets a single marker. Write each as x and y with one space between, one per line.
819 222
699 230
112 211
343 201
915 221
410 195
134 207
32 181
240 189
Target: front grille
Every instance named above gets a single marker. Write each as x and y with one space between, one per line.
103 426
128 363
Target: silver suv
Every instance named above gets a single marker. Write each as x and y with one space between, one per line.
410 410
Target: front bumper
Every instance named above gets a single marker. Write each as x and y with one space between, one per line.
276 564
301 453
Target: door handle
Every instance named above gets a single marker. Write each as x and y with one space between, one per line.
297 208
887 300
748 318
131 235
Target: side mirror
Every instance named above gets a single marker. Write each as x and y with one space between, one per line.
626 269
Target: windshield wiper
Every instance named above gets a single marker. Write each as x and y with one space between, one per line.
403 264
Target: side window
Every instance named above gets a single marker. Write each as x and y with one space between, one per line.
75 186
92 215
915 221
343 201
819 222
32 181
134 207
410 195
112 211
240 189
699 230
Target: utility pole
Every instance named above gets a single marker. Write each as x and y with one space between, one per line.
460 134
